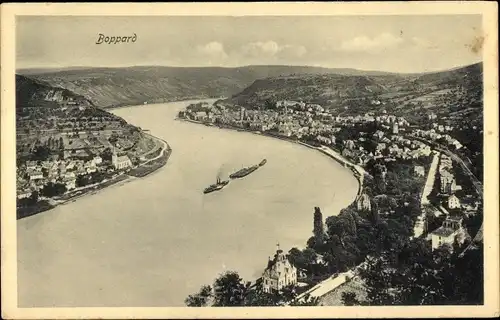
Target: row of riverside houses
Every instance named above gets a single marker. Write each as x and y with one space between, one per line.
393 139
34 175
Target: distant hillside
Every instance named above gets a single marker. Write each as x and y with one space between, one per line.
107 87
38 104
447 93
34 71
30 92
323 89
456 92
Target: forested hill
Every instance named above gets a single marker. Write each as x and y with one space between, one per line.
454 92
107 87
30 92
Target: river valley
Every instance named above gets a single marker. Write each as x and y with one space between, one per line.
152 241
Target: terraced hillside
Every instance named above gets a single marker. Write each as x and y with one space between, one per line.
108 87
44 112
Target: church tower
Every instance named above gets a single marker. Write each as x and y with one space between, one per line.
114 158
395 129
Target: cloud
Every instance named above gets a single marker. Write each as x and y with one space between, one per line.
295 51
214 53
213 50
254 49
376 44
267 49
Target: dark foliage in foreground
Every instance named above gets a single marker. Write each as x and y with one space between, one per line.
230 290
415 275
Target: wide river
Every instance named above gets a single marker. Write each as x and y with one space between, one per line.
152 241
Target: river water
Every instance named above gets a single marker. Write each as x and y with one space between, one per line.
152 241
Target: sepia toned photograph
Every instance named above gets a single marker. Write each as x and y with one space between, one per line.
261 160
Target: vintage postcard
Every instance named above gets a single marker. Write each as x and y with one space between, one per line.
247 160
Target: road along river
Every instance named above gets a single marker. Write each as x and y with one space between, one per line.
153 241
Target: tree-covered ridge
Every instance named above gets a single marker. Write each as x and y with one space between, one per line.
354 234
456 94
135 85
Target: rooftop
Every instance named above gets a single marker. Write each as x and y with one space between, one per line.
123 158
454 218
278 266
443 232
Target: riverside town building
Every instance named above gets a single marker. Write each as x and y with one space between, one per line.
279 273
120 162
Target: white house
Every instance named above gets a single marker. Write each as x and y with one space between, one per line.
447 182
363 203
36 175
279 273
21 194
419 171
70 183
453 202
97 160
450 231
120 162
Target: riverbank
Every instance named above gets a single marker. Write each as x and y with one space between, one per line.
357 170
152 221
145 103
331 284
154 163
142 170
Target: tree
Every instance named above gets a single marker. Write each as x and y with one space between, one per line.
270 104
373 215
342 225
53 189
258 298
302 259
350 299
381 279
82 180
41 153
229 290
420 276
200 299
34 197
107 154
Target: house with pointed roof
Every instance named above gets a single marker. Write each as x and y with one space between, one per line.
120 162
363 203
453 202
279 273
451 231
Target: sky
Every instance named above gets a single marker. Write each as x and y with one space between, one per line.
386 43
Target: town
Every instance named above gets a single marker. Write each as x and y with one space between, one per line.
401 166
311 157
71 147
361 139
